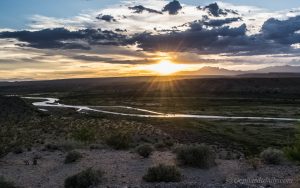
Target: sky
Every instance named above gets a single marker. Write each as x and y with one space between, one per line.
15 13
54 39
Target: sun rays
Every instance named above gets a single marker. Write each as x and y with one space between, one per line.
164 67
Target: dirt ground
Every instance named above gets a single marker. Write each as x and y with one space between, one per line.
126 169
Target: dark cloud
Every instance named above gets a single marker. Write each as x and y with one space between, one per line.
172 7
197 37
283 32
120 30
63 38
221 22
275 38
211 22
140 9
107 18
48 38
214 10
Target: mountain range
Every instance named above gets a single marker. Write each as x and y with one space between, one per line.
216 71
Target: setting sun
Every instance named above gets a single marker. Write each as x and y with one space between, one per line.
165 67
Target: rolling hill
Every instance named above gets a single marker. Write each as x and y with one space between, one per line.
15 108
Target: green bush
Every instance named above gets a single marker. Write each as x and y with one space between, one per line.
6 184
272 156
85 179
293 152
144 150
119 141
200 156
72 157
163 173
84 134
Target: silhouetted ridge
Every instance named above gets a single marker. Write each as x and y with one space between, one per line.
15 108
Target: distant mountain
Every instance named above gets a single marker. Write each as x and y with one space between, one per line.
211 71
270 75
216 71
279 69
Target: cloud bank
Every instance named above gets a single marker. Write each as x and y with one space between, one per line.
132 33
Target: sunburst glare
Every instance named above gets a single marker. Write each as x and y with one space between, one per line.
164 67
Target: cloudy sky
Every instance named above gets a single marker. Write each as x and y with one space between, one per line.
54 39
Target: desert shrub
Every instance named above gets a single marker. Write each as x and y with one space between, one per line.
255 163
72 157
84 134
160 145
63 145
169 142
163 173
200 156
2 151
119 140
51 147
6 184
144 150
85 179
272 156
69 145
97 146
293 152
18 150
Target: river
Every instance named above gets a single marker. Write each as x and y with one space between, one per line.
54 102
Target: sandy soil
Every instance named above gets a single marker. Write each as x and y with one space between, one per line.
125 169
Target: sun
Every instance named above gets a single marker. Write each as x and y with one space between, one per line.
165 67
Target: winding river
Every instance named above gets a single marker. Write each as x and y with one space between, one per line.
53 102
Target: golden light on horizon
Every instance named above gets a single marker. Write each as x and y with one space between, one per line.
164 67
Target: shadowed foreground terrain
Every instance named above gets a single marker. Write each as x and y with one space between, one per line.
35 144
